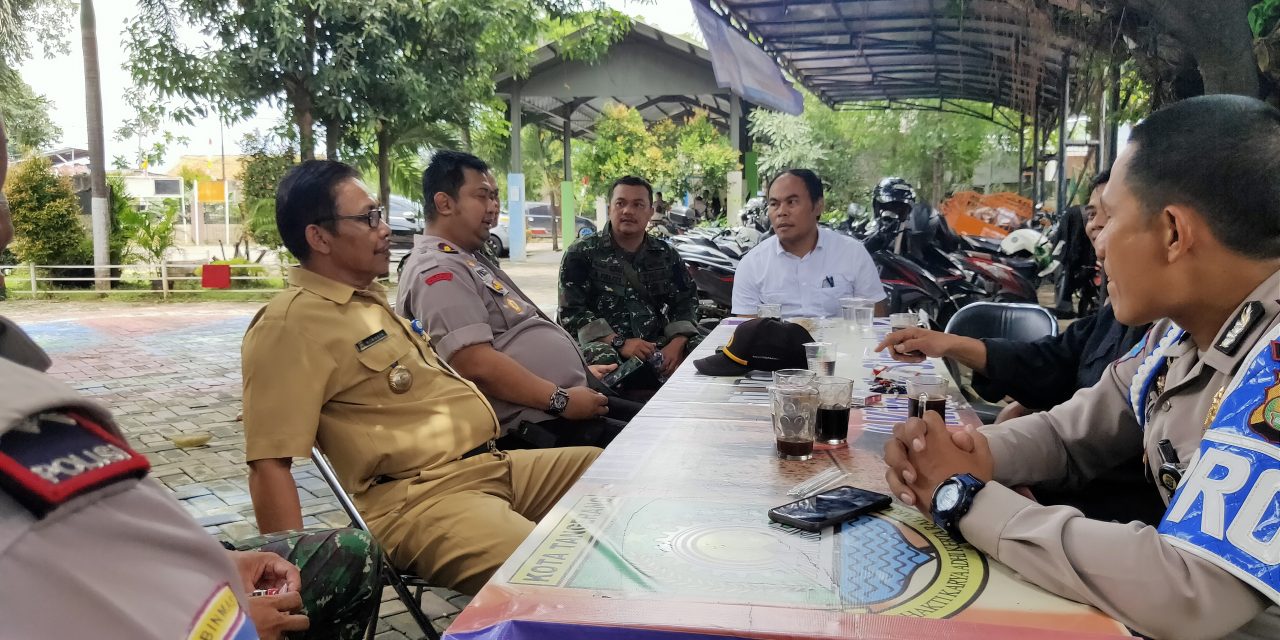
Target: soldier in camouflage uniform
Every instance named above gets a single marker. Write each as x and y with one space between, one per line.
341 579
626 294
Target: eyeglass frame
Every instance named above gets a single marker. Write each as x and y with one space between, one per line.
380 211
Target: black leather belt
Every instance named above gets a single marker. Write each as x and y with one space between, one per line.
487 447
484 448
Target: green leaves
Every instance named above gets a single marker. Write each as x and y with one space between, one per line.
46 216
852 150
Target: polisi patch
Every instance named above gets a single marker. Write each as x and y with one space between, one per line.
55 456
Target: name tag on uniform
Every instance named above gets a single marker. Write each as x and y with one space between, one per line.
50 458
371 340
1224 510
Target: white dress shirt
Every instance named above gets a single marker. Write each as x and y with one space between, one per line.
812 285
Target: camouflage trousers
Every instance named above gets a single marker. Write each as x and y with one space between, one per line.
341 578
601 353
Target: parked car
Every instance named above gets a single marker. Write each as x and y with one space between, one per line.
538 222
404 216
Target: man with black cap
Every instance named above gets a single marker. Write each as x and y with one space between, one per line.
761 344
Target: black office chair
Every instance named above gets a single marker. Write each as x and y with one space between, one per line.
401 582
1022 322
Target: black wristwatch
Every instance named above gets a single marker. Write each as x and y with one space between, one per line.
559 402
618 341
951 501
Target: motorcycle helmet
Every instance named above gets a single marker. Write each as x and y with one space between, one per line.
893 194
1020 240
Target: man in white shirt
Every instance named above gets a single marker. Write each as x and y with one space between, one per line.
805 268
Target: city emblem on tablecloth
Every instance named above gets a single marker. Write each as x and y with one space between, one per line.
728 553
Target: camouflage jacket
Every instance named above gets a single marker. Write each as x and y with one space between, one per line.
598 299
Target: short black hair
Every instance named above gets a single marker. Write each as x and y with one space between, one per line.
632 181
446 173
1221 155
812 183
1102 178
305 197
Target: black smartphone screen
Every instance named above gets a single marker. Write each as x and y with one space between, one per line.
625 369
832 506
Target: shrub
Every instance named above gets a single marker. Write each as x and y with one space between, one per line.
46 216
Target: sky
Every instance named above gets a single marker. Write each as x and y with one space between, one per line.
61 79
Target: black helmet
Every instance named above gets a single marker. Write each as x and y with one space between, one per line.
894 190
893 194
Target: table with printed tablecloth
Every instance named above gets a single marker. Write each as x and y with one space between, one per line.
667 536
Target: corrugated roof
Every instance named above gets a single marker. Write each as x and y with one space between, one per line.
1002 52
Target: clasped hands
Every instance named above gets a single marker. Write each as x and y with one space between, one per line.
923 453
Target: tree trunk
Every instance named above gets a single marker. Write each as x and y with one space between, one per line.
384 163
1216 33
303 102
97 145
332 138
306 127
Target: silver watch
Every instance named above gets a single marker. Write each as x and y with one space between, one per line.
559 402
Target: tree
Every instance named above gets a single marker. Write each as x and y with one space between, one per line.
268 160
1223 53
97 145
145 129
26 115
700 150
46 216
852 150
623 146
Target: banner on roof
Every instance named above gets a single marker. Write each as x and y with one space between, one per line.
744 68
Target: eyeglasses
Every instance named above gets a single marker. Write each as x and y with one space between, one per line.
373 218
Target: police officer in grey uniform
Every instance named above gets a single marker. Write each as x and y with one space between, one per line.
528 367
1193 237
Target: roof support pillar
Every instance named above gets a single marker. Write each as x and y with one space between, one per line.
1022 151
568 208
1064 109
515 181
733 199
1037 185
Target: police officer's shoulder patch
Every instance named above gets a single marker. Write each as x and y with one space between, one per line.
221 618
52 457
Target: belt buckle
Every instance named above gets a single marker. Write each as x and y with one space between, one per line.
493 446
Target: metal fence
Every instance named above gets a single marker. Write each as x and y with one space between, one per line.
165 278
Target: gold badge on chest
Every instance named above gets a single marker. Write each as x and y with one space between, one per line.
1213 406
400 378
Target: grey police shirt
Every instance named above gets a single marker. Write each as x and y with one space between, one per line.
89 548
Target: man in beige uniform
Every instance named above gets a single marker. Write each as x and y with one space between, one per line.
527 366
328 361
1193 236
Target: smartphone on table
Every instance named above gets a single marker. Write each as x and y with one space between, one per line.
829 507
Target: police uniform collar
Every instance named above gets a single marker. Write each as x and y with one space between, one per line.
327 288
1252 318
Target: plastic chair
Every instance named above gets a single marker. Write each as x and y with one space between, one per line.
401 582
1021 322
